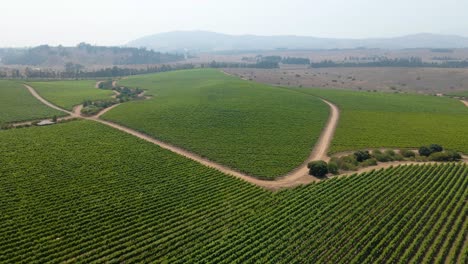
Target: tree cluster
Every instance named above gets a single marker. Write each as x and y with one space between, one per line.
386 62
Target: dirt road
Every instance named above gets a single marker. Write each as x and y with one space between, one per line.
295 178
298 177
35 94
464 102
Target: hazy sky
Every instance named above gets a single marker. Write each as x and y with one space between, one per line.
115 22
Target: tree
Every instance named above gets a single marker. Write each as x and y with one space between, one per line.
318 168
362 155
435 148
424 151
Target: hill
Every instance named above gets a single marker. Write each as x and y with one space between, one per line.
211 41
84 55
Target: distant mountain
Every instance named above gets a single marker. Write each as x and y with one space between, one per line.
210 41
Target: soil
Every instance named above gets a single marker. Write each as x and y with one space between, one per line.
391 79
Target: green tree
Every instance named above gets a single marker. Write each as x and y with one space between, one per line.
424 151
318 168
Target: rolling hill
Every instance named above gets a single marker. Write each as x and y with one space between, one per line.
211 41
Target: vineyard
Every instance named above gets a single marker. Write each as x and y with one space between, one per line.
67 94
13 99
254 128
84 192
371 120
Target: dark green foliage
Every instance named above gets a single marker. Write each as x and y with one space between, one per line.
362 155
333 167
93 107
435 148
445 156
106 85
318 168
424 151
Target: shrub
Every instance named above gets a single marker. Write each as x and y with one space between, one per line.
318 168
348 167
362 155
390 152
455 156
445 156
439 156
369 162
424 151
398 157
435 148
376 152
349 159
383 157
407 153
333 167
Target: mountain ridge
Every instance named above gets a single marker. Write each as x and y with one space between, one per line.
206 41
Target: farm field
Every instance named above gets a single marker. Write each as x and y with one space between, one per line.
17 104
84 192
254 128
67 94
372 120
385 79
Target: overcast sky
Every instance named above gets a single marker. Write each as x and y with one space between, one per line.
115 22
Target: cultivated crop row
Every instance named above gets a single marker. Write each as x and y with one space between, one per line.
71 194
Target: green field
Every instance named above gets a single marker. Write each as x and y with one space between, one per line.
83 192
17 104
67 94
370 120
255 128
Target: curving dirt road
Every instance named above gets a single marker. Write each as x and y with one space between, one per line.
464 102
44 101
297 177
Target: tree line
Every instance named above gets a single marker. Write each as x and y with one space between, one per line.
397 62
78 72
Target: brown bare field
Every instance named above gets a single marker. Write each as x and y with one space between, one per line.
388 79
338 55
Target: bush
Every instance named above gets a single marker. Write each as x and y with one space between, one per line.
398 157
407 153
445 156
376 152
348 167
390 152
318 168
383 157
333 167
362 155
349 159
369 162
435 148
424 151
